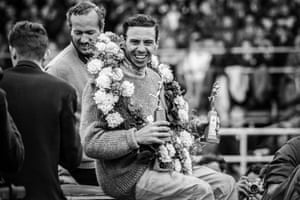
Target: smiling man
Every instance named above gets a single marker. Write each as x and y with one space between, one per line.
125 169
86 22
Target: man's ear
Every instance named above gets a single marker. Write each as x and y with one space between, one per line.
122 43
157 42
13 53
47 54
46 57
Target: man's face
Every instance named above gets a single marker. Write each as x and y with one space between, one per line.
140 44
84 31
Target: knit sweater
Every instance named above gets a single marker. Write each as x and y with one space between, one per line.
68 66
116 151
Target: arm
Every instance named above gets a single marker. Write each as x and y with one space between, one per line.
284 162
71 149
11 145
98 143
112 144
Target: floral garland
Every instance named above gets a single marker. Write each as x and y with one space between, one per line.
113 99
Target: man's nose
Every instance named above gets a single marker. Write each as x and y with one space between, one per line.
85 38
141 48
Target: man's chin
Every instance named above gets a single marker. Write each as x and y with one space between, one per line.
86 53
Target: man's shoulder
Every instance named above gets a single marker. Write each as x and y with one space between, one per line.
62 60
153 73
57 82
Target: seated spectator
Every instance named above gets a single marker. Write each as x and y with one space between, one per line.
281 174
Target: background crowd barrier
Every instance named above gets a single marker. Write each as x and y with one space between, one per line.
243 133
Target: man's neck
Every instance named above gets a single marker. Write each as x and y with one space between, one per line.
82 57
133 71
37 62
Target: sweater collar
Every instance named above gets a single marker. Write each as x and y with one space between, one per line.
128 71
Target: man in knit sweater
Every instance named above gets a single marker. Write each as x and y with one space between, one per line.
86 22
122 170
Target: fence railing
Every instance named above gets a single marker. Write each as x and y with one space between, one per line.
243 133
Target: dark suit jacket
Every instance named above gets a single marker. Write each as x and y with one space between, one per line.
11 144
43 108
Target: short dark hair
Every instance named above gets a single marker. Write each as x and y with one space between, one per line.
83 8
141 20
29 38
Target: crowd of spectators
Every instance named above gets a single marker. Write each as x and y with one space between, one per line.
272 22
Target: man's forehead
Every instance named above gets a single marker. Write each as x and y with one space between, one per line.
89 19
140 32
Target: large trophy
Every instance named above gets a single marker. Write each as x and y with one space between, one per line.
163 162
211 132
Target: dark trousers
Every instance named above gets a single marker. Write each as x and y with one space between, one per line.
85 176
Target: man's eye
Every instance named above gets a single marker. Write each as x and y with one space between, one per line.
77 33
135 42
148 42
90 32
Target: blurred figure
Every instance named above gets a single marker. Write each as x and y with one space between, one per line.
86 22
43 108
11 150
282 175
213 162
11 144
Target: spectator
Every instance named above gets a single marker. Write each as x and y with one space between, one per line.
11 144
86 22
282 171
43 108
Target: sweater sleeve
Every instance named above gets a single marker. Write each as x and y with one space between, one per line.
100 143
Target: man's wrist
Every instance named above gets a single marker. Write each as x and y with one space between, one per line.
131 138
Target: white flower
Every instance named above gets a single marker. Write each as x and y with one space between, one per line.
105 101
183 115
94 66
178 141
114 119
171 149
186 139
112 47
106 71
177 165
150 119
117 74
154 61
100 46
103 81
103 38
127 89
164 154
180 102
166 73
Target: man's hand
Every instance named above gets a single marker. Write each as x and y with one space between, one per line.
154 133
243 187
